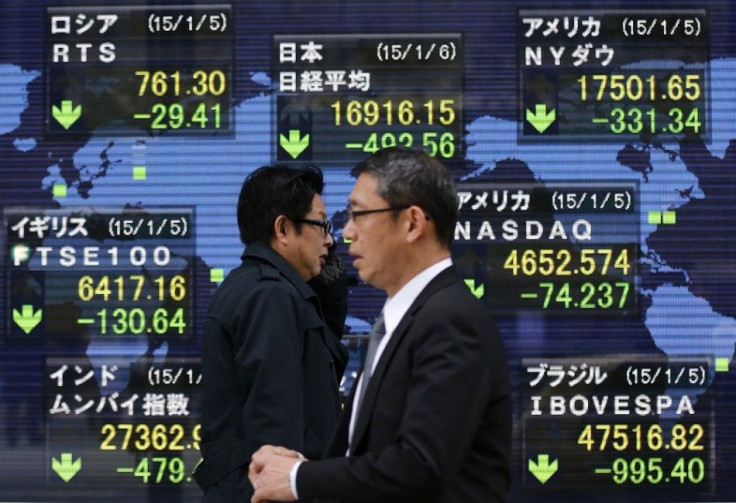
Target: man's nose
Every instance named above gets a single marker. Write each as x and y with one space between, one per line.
348 232
329 239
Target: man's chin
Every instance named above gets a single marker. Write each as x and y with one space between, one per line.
363 275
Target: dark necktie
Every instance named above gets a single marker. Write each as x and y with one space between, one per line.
377 333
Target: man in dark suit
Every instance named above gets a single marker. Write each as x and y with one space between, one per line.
434 420
270 364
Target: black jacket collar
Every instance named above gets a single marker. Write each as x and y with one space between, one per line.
264 253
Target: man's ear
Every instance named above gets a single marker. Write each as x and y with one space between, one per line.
418 223
280 229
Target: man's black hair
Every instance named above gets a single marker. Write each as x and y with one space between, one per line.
276 190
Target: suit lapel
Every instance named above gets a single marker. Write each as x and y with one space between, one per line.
442 280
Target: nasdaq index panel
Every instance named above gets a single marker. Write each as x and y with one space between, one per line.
593 147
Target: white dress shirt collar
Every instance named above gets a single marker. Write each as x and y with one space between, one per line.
396 307
393 310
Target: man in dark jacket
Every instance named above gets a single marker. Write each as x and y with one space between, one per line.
270 364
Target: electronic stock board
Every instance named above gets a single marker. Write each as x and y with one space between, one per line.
592 146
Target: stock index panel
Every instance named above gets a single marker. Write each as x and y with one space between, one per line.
592 145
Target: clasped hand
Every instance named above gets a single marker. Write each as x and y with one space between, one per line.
269 473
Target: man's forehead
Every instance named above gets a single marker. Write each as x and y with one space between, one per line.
318 205
364 190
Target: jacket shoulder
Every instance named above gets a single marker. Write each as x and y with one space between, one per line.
268 273
248 281
455 293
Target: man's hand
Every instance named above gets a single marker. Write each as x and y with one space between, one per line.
269 473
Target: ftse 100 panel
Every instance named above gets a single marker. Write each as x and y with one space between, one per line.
592 148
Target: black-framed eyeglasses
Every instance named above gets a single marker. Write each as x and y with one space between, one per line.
353 214
325 224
